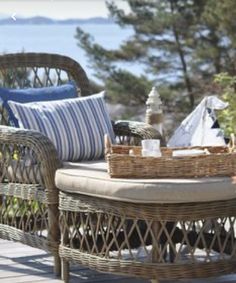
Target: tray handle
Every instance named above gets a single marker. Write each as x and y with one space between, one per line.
232 142
107 144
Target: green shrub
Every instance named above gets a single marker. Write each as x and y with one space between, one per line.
227 117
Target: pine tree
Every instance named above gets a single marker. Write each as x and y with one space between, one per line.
181 42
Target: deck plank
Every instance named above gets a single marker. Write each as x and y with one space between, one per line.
23 264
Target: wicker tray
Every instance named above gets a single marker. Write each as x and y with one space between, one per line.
220 162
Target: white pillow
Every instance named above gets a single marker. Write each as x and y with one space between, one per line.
75 126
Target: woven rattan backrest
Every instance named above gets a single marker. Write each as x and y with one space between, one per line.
24 70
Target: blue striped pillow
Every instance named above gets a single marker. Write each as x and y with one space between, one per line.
26 95
75 126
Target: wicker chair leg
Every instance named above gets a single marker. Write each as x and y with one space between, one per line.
54 235
65 274
57 265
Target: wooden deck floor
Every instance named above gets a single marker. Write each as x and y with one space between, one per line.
21 264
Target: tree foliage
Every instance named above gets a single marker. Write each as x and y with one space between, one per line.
227 90
181 43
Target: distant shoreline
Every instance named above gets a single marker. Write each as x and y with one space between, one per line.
48 21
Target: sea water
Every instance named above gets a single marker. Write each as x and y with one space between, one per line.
61 39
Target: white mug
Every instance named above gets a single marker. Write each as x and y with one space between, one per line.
151 145
154 153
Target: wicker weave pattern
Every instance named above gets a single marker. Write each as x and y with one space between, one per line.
29 216
149 241
29 153
149 270
28 196
220 162
28 160
39 70
13 234
25 70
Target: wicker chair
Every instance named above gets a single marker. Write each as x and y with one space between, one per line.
28 196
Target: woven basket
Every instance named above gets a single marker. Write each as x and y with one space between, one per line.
220 162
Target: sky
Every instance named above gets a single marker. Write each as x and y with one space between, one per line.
58 9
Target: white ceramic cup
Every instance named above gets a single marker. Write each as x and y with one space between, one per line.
151 145
155 153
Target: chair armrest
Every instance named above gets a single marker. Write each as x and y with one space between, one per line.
28 157
137 130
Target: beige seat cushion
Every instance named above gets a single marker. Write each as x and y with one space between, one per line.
92 179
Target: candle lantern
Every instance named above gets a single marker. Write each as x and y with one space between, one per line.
154 113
